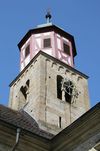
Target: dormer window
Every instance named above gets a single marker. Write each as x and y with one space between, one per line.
27 51
66 48
47 43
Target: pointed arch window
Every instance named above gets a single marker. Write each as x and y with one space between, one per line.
59 91
68 91
64 89
24 89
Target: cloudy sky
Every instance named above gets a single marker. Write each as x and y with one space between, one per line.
81 18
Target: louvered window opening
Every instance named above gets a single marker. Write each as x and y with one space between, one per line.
47 43
66 48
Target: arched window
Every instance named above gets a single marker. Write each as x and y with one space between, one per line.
64 89
24 89
68 91
59 85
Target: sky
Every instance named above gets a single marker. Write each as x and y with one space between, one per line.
81 18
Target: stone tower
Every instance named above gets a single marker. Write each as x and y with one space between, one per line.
48 86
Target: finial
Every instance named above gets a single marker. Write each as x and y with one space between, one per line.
48 16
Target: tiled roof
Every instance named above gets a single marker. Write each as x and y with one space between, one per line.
22 120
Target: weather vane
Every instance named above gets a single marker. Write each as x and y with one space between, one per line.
48 16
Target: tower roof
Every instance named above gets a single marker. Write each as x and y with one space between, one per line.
46 28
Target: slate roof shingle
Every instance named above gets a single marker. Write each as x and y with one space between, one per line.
22 120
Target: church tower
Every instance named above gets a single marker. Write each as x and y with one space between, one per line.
48 86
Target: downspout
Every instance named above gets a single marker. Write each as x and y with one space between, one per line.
17 139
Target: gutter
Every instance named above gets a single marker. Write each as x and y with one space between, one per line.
17 139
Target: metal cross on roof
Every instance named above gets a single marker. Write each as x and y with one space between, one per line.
48 16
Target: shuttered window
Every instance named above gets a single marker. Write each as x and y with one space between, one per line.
66 48
47 43
27 51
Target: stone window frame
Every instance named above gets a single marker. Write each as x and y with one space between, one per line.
61 94
25 89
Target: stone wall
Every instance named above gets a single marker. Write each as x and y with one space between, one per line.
51 113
